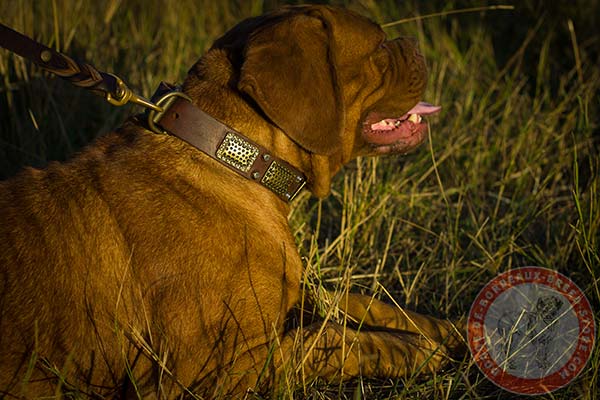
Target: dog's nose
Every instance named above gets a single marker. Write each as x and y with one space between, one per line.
411 64
409 45
411 40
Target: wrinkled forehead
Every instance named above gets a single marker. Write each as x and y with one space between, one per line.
357 35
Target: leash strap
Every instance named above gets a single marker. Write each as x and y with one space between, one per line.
172 112
80 74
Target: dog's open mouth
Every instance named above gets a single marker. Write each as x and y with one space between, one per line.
398 134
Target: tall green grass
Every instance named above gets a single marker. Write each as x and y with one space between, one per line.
510 176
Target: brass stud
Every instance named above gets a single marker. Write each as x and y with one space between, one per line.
255 175
46 55
266 157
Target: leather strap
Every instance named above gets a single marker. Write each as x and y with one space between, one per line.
231 148
178 116
80 74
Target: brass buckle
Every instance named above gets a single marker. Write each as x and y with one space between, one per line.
125 95
163 104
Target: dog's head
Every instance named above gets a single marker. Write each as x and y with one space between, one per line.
329 79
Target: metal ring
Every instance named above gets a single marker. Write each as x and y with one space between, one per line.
164 103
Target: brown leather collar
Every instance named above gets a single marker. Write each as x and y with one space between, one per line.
170 112
182 119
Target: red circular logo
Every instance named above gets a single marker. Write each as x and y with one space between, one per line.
531 330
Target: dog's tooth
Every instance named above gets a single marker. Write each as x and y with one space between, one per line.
397 123
416 118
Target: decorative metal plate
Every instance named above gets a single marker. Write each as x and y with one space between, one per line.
237 152
278 178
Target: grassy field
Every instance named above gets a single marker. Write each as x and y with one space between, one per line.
509 178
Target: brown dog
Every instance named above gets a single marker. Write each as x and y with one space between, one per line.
145 267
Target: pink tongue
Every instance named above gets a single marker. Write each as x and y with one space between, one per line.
423 108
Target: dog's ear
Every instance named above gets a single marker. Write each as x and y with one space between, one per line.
289 71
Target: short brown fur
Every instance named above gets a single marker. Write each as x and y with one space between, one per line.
144 267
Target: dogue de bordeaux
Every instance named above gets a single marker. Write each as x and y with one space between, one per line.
162 265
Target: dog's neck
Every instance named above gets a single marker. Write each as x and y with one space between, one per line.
229 107
209 86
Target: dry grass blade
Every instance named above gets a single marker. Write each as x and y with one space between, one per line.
450 12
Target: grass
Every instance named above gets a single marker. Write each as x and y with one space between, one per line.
510 176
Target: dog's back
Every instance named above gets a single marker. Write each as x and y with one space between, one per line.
60 248
112 253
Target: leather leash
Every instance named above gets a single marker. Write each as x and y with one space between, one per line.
80 74
169 112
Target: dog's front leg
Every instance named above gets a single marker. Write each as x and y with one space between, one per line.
372 312
334 352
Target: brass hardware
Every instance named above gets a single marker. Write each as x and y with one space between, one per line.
125 95
237 152
279 179
46 56
162 105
